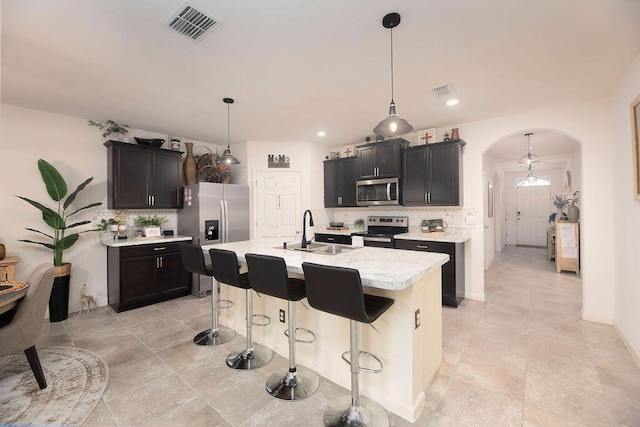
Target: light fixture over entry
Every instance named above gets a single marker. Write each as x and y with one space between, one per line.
393 125
227 157
529 160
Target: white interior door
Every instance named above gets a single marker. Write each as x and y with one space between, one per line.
532 216
277 197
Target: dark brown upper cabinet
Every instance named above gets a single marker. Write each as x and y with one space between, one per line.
380 159
433 174
142 177
340 183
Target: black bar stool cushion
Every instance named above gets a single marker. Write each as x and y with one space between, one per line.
193 259
227 270
268 275
338 290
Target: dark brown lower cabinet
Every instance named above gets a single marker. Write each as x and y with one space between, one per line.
145 274
452 271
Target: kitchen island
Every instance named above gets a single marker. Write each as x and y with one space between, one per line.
409 341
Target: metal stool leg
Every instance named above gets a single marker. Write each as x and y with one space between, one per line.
217 334
353 411
300 382
251 357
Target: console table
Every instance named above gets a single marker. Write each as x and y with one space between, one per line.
8 269
551 244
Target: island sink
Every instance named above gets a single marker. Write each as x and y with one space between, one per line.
320 248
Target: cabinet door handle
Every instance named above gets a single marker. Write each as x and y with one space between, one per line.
153 200
148 200
330 239
157 263
159 249
340 201
429 197
160 262
422 246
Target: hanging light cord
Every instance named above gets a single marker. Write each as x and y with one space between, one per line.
392 65
228 127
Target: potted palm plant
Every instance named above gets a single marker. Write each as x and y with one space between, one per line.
59 239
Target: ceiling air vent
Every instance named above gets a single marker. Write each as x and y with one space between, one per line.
443 90
191 22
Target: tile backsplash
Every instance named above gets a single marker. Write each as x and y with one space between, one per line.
127 217
455 218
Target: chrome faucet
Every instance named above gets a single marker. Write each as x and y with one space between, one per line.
304 228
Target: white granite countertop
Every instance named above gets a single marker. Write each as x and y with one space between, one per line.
451 237
108 240
378 267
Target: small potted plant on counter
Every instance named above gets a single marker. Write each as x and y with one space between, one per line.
108 225
150 225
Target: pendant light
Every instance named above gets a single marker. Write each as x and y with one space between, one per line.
227 157
531 178
393 125
529 160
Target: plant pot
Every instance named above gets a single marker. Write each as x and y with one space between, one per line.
59 299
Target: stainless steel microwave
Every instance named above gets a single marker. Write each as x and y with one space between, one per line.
377 192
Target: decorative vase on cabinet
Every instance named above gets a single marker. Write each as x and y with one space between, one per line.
189 165
573 213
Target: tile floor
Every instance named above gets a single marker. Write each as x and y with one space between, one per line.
523 357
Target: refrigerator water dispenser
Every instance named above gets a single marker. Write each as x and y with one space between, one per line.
211 229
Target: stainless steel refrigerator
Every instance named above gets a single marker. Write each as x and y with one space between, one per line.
213 213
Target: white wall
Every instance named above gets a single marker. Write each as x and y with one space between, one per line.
76 150
624 213
489 168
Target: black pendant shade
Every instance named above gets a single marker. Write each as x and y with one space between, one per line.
227 157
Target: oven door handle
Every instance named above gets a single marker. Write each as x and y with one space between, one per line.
377 239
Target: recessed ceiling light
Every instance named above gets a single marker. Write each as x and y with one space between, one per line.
322 133
452 102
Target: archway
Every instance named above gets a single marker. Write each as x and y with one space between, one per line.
558 153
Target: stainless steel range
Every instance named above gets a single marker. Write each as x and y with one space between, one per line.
381 229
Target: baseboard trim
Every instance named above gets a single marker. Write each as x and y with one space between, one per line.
474 296
597 319
635 354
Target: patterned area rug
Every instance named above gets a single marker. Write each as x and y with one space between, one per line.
76 379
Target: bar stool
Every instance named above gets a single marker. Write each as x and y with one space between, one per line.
226 270
338 291
268 275
193 261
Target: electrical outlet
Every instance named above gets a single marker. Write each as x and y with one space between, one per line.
281 316
417 319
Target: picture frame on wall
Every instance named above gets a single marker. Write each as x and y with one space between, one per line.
489 199
635 140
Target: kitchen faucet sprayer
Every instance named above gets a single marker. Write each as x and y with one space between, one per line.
304 243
